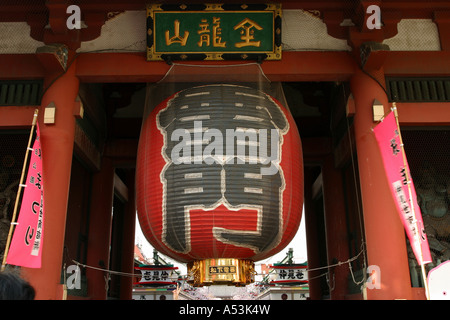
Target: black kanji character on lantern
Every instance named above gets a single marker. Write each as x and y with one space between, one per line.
245 185
229 136
184 191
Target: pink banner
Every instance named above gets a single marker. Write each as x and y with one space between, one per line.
397 170
26 244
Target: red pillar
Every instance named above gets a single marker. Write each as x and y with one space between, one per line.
57 148
385 239
100 229
442 19
312 239
129 223
336 228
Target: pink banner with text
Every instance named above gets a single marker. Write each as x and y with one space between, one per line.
26 244
401 184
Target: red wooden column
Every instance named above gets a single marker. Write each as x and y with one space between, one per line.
57 148
100 229
312 239
336 228
385 238
442 19
129 224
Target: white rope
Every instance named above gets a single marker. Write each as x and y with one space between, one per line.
340 263
119 273
105 270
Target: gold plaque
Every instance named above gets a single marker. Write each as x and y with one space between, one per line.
214 32
237 272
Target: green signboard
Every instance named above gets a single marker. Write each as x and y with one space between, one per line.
214 32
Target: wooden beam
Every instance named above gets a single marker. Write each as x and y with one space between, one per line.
295 66
428 113
311 66
16 117
417 63
20 66
119 67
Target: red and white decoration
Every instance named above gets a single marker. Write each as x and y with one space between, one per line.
216 208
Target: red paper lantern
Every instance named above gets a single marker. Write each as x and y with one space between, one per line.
219 175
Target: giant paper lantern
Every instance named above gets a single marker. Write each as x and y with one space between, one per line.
219 180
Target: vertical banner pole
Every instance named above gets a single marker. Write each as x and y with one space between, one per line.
16 205
408 180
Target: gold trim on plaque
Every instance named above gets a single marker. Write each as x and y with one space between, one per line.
274 54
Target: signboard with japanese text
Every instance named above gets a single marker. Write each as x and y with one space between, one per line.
290 274
157 275
214 32
222 269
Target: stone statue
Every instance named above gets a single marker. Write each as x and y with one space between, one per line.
433 197
7 195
